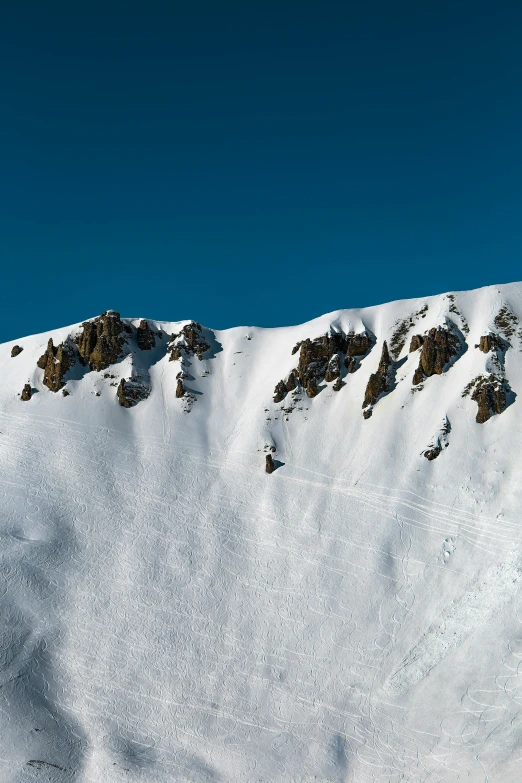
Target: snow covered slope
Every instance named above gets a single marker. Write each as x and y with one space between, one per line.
171 612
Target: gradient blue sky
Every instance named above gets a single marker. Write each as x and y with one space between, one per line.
257 162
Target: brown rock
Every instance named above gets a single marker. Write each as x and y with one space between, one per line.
146 336
188 342
180 389
490 396
280 391
291 381
380 382
358 344
55 363
416 342
367 413
101 340
311 388
269 464
438 348
490 342
27 392
131 391
15 350
333 370
338 385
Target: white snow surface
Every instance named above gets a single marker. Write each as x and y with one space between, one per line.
173 613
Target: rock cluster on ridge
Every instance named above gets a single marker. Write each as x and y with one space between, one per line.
55 363
438 347
101 340
320 360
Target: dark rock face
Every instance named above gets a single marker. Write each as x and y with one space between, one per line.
188 342
101 340
291 381
338 385
380 382
358 344
55 363
269 464
490 396
320 359
506 322
15 350
439 346
27 392
180 389
333 370
131 391
311 388
416 342
280 391
491 342
146 336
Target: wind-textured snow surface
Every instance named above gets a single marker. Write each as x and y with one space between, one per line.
173 613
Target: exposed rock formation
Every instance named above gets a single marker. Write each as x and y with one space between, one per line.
291 381
131 391
491 342
439 346
180 389
320 359
490 396
333 370
338 385
55 363
146 336
380 382
27 392
269 464
15 350
280 391
311 388
506 322
101 341
416 342
188 342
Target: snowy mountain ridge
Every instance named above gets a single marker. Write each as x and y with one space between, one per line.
174 612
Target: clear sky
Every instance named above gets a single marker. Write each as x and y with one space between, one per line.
255 162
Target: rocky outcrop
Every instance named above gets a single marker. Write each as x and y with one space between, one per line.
490 396
27 392
280 391
416 342
380 382
320 360
491 342
146 336
506 322
101 340
333 370
269 464
55 363
439 346
189 342
338 385
16 350
131 391
180 389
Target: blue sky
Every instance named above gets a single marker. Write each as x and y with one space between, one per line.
255 163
